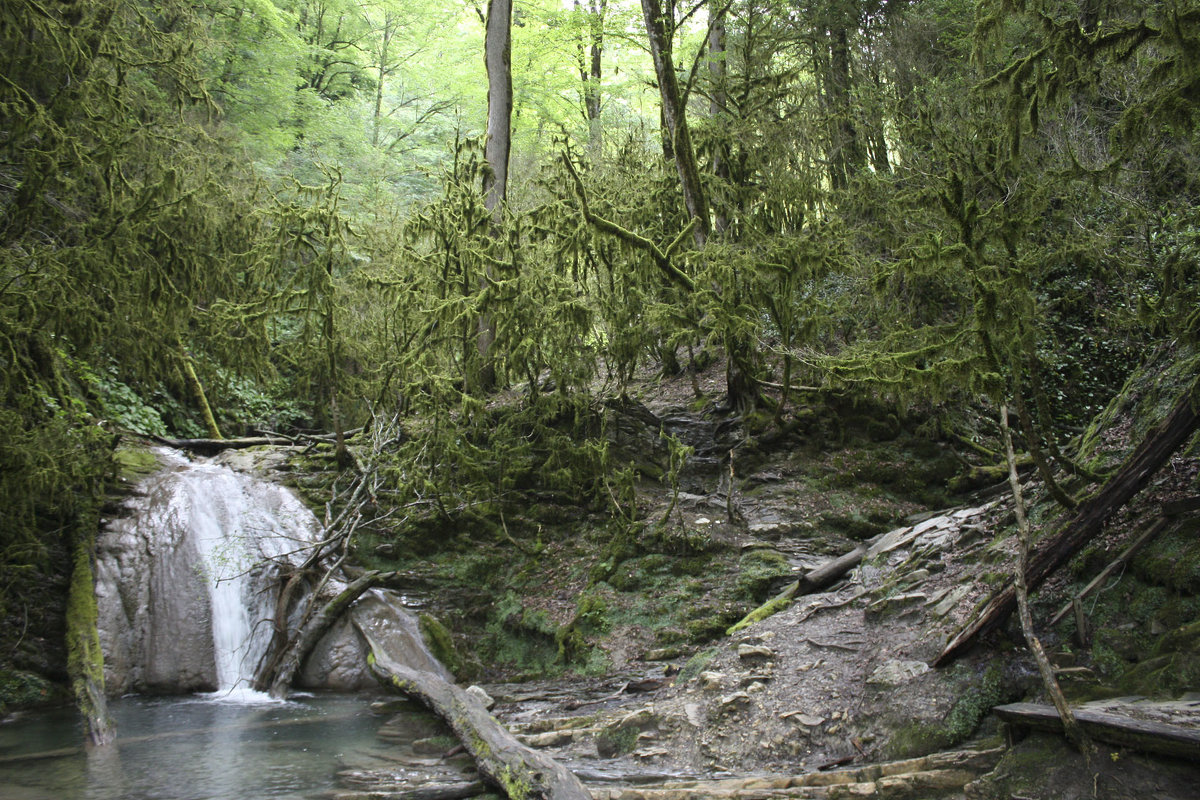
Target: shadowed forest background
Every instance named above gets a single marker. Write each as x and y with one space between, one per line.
226 218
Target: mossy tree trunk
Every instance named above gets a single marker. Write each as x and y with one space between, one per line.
502 760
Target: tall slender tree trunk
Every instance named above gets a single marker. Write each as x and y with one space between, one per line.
1025 543
740 386
381 73
717 107
498 59
591 52
846 156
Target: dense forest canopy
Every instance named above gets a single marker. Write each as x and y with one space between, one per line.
271 215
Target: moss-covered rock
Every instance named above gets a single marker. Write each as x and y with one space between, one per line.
440 642
1173 559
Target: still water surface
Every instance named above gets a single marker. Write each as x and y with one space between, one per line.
190 749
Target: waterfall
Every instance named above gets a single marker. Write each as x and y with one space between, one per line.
182 582
184 588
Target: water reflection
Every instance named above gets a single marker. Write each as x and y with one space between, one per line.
190 749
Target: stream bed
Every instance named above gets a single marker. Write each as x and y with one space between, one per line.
196 748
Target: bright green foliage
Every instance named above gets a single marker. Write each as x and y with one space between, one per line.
935 203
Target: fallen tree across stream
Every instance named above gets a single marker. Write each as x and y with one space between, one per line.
519 770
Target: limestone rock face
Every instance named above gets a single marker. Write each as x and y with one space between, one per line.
154 615
338 662
194 535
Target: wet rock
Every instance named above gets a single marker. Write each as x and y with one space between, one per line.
662 653
549 738
897 604
482 696
950 601
897 673
622 736
735 699
751 651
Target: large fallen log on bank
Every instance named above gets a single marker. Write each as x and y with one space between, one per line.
210 447
1155 450
1148 736
519 770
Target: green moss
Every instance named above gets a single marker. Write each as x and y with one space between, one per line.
516 783
1173 668
772 606
917 739
20 689
696 664
85 660
757 571
975 704
616 741
1173 559
979 692
134 463
440 642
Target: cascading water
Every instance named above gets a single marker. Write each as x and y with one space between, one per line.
183 606
181 582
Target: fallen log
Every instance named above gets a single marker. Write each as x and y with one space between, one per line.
520 771
210 447
437 791
814 580
311 632
1151 737
1155 450
1114 565
830 572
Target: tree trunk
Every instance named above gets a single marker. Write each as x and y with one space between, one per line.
189 372
1025 539
85 661
501 760
675 118
1155 450
311 632
591 50
498 59
717 106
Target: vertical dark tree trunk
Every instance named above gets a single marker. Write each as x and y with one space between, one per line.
741 387
846 157
877 147
591 52
657 29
